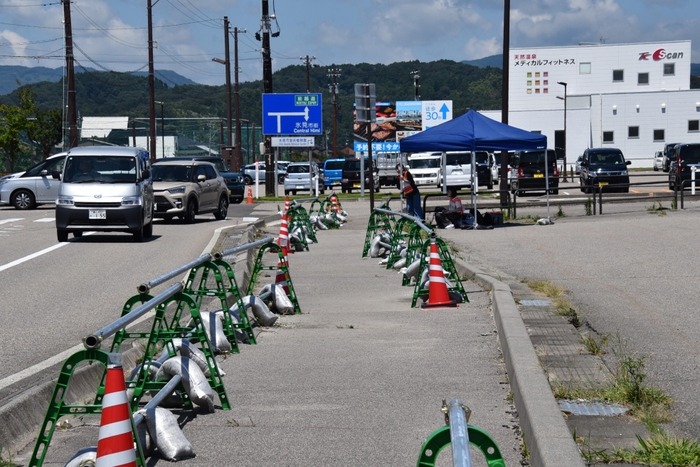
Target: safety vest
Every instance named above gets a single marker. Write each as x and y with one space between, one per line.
405 185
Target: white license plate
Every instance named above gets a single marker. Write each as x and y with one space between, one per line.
97 214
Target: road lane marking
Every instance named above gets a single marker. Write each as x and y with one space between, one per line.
7 221
37 254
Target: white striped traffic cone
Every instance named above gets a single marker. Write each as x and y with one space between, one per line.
115 444
438 296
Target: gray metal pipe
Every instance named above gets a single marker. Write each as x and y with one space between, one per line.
146 287
406 216
238 249
165 391
458 415
94 341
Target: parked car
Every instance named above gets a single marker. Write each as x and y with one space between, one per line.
35 186
668 150
186 188
107 189
297 178
604 167
578 164
425 167
234 180
658 161
333 172
352 178
683 159
529 169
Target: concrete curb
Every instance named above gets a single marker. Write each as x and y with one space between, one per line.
544 429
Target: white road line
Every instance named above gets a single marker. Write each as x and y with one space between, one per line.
7 221
37 254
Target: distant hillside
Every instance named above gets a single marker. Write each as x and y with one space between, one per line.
10 75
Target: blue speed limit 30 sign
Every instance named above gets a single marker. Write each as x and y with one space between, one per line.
292 114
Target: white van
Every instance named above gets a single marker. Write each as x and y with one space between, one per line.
425 167
105 189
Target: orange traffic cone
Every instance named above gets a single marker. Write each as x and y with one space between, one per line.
283 239
250 195
281 279
438 296
115 444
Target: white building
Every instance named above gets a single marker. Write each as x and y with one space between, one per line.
635 97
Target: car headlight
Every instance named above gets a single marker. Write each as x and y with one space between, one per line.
132 201
176 190
64 200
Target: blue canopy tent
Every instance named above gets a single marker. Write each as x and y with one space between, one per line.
473 132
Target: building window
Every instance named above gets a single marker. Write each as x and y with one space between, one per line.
618 76
643 78
633 132
659 135
693 125
608 136
669 69
584 68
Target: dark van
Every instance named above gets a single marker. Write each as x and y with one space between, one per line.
351 175
529 168
333 172
683 158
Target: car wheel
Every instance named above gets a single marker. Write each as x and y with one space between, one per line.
62 235
23 199
223 209
148 230
138 234
247 179
190 213
78 233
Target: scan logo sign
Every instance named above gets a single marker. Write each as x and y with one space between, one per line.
660 54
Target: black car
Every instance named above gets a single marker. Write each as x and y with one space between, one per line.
605 168
351 175
683 158
234 180
529 169
668 155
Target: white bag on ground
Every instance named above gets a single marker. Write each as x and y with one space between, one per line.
165 431
280 301
193 380
214 328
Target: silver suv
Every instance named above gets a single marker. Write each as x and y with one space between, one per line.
185 188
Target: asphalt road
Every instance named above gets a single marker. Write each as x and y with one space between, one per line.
55 294
632 274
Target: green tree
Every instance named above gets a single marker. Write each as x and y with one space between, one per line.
14 123
45 131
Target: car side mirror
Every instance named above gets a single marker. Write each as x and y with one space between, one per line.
56 174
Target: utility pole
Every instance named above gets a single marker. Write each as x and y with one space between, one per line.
334 73
237 153
307 61
270 178
416 83
70 71
504 102
151 86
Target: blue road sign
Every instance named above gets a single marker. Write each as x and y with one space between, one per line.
292 114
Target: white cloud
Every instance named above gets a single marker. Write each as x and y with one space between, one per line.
476 48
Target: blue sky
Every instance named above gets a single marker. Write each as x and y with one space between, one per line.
112 34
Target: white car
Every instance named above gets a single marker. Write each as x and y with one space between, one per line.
37 185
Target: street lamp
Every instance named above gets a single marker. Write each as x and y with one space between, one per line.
162 124
564 84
